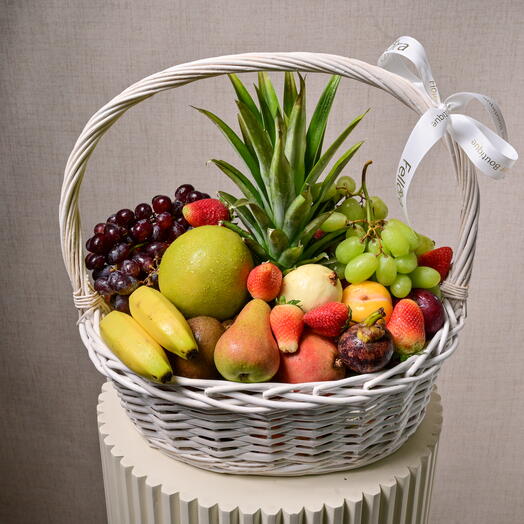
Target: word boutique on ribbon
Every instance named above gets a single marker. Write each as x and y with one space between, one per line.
489 151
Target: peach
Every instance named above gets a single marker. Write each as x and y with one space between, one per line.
313 362
365 298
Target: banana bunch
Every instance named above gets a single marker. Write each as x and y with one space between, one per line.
135 347
137 340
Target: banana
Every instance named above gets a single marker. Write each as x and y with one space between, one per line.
162 320
134 347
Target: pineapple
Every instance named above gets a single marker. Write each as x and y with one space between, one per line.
283 203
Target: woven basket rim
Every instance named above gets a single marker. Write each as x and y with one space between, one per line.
269 396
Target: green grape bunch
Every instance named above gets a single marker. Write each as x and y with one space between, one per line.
374 248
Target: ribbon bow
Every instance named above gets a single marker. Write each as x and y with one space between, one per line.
488 151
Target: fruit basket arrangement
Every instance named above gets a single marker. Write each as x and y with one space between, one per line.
291 329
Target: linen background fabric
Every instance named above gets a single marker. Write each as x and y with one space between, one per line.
62 60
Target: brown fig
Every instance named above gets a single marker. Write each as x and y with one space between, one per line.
207 331
368 346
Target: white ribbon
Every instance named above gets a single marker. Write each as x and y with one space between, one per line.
488 151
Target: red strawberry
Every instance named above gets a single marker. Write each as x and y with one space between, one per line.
287 325
329 319
406 326
318 234
205 212
264 281
439 259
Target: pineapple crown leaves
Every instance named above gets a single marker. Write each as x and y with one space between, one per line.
284 202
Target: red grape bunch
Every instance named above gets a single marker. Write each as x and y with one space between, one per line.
125 251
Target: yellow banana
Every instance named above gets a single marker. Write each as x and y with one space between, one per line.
134 347
162 320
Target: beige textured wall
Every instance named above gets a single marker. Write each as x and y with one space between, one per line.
63 59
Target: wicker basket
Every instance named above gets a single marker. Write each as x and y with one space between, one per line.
269 428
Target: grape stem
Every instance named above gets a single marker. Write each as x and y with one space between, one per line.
369 210
374 226
148 281
138 246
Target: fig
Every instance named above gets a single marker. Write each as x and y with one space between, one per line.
368 346
432 310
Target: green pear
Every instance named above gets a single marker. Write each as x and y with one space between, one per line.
247 351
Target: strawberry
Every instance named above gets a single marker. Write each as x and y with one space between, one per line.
287 324
329 319
264 281
406 326
439 259
318 234
205 212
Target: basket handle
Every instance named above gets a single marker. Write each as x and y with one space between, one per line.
85 298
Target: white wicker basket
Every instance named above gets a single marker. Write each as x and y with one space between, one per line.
269 428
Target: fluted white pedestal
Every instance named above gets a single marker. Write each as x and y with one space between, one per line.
143 486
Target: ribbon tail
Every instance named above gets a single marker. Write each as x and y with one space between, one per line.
430 128
487 151
457 104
